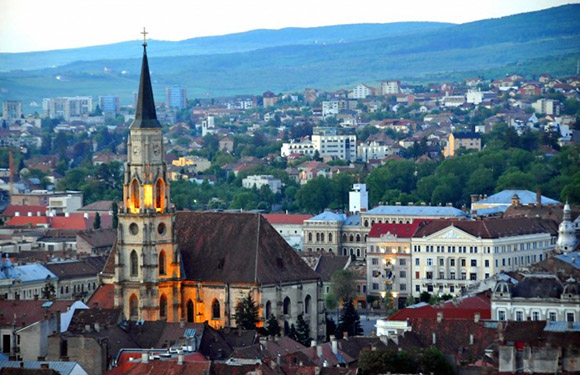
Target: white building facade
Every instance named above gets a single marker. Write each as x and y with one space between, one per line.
257 181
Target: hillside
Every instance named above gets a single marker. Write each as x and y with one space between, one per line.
521 42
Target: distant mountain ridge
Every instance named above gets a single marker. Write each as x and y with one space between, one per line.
230 43
291 60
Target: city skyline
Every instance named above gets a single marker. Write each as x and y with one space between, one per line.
62 24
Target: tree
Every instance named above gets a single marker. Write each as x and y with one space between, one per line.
303 331
425 297
349 321
247 313
292 332
48 291
342 285
272 326
330 327
330 301
97 222
115 209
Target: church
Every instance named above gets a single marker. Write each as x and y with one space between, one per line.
197 266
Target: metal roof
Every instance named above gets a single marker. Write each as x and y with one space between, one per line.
573 258
29 273
435 211
526 197
353 220
328 216
64 368
562 327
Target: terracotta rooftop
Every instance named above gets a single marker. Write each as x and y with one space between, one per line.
12 209
492 228
22 313
461 309
103 297
286 218
399 230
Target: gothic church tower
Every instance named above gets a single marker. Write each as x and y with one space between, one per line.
147 265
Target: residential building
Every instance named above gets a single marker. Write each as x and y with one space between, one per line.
43 197
11 110
77 279
290 227
539 296
467 141
477 96
453 101
388 259
226 144
208 126
302 147
361 91
390 87
176 97
448 255
109 105
257 181
269 99
337 143
67 107
322 233
25 282
547 107
330 108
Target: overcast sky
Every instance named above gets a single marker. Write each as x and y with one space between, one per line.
35 25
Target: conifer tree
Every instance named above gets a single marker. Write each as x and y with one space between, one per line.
292 333
349 321
97 222
247 313
272 326
303 331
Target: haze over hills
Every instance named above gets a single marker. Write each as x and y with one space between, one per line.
546 41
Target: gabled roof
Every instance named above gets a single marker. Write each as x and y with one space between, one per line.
462 308
492 228
329 264
328 216
22 313
399 230
212 250
103 297
83 268
99 237
286 218
12 209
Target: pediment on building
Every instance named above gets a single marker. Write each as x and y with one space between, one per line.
452 233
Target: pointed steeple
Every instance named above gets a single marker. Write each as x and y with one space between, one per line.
145 116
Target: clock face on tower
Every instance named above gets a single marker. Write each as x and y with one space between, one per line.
136 150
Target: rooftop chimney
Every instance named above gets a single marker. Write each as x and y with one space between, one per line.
434 338
319 351
539 198
312 343
334 344
144 356
180 357
476 317
439 316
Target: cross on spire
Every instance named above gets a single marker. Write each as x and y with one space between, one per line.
144 37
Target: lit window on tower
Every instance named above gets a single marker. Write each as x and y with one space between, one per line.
148 196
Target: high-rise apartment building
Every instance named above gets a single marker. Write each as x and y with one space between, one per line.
176 97
11 110
67 107
109 105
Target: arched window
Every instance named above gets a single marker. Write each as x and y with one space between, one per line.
162 270
159 195
133 307
344 237
134 262
309 237
286 306
329 237
163 306
358 253
268 309
134 199
322 237
215 309
307 302
189 309
351 238
366 223
358 238
317 237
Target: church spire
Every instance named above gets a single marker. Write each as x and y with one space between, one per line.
145 116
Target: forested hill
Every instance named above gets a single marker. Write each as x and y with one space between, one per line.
224 44
522 43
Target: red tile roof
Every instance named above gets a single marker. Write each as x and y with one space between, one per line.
103 297
21 221
399 230
12 209
22 313
71 222
492 228
464 309
286 218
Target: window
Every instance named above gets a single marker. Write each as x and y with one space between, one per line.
452 275
286 310
501 315
430 288
329 237
429 261
375 261
134 263
307 301
402 262
417 261
417 288
159 196
569 316
463 275
473 262
487 262
429 275
441 261
309 237
452 262
451 289
215 309
162 270
472 276
163 306
403 274
403 287
417 276
133 307
552 316
519 316
375 286
190 314
535 315
462 262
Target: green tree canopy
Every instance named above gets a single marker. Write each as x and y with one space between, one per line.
247 313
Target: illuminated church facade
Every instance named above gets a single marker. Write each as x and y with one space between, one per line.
197 266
